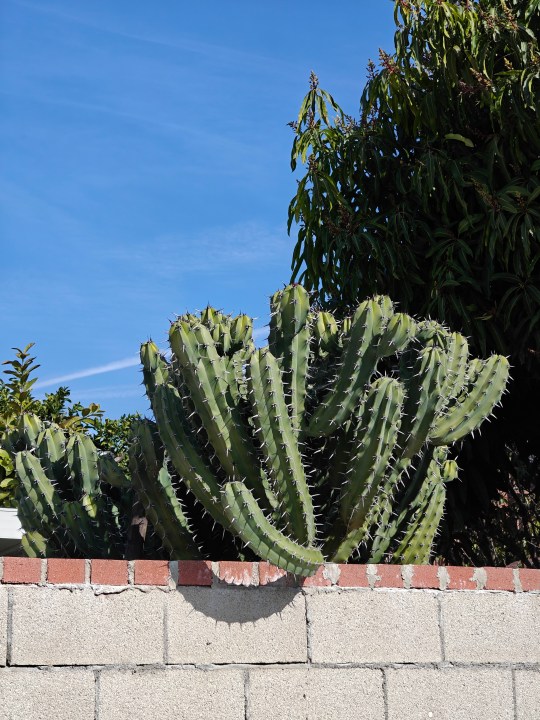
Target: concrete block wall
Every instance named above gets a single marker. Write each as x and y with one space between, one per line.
112 640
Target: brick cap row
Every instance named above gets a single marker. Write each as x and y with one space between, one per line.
204 573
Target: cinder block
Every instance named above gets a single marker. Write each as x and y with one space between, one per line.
374 626
491 627
53 626
450 694
3 624
171 694
237 625
315 694
527 694
59 694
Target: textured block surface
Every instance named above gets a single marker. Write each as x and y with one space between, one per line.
528 694
491 627
59 694
236 626
3 624
76 627
450 694
315 694
171 694
374 626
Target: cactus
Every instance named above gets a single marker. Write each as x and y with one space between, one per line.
64 504
333 442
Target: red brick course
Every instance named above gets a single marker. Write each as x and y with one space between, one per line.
353 576
317 580
461 578
236 573
499 579
195 572
109 572
69 572
388 576
425 577
270 574
22 571
529 579
151 572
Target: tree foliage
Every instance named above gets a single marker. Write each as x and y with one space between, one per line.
432 195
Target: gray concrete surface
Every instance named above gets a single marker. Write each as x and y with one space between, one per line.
251 625
488 627
76 627
450 694
374 626
315 694
171 694
50 694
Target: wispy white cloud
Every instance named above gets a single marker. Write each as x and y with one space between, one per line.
258 334
89 372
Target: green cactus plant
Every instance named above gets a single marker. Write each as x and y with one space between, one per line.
332 442
72 501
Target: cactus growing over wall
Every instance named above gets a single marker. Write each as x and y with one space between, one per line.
332 441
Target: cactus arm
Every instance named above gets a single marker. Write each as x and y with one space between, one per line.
423 399
41 505
326 333
35 545
110 471
50 449
399 332
288 341
153 485
467 414
82 457
280 446
376 439
249 522
427 511
458 354
155 369
38 487
184 454
358 362
205 374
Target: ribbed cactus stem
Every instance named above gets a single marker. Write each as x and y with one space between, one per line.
262 537
282 457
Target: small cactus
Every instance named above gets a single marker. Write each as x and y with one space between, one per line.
65 504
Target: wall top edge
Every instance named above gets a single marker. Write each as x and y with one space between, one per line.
204 573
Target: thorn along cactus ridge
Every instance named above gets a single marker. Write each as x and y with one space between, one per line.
332 442
72 500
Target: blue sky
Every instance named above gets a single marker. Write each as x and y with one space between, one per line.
145 167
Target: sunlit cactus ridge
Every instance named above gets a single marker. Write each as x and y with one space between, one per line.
331 443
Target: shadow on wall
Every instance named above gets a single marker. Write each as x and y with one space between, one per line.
239 605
